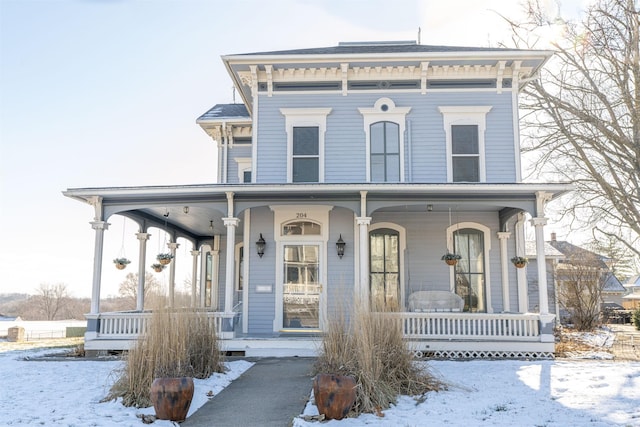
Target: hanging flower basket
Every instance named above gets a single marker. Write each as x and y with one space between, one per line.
165 258
157 267
450 259
121 263
519 261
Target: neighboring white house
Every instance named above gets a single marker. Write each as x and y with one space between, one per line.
345 174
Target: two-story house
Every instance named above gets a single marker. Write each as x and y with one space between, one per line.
344 176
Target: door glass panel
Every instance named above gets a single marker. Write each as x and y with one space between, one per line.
469 272
384 265
301 288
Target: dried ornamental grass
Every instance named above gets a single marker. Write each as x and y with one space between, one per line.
371 348
175 344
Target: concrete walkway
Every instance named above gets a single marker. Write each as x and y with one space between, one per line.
269 394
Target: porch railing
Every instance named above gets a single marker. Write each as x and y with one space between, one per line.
130 324
468 326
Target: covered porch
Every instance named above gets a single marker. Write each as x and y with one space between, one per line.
244 294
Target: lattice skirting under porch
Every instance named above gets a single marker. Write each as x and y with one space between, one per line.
481 354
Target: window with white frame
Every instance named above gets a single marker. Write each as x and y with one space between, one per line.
305 129
464 130
384 127
305 158
244 169
385 152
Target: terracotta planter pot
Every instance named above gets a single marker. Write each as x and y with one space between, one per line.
121 266
334 395
164 261
451 261
158 269
171 397
520 264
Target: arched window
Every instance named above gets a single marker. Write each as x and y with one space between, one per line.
384 255
301 228
470 270
385 152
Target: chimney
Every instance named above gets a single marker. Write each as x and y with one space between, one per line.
553 237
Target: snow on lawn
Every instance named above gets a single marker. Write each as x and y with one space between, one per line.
516 393
68 393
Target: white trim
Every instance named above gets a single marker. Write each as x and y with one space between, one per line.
287 213
245 290
254 140
465 115
299 117
391 113
402 234
487 255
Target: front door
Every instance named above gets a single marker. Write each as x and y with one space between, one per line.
301 290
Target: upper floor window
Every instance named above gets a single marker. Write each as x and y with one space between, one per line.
305 129
385 152
306 154
464 130
465 154
384 127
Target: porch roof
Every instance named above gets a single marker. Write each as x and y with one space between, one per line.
208 202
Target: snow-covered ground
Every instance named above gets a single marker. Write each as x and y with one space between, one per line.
593 393
68 393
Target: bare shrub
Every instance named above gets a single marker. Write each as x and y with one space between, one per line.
370 347
175 344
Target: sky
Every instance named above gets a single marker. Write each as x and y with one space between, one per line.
505 393
101 93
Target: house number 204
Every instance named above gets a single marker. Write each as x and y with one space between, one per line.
301 215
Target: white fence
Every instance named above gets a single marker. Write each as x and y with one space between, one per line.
467 326
128 325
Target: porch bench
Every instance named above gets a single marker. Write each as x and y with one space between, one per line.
435 301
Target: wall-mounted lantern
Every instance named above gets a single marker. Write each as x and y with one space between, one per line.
260 245
340 244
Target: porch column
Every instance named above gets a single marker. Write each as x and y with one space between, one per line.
100 227
231 224
215 273
521 273
194 275
203 277
142 256
172 272
362 291
504 236
539 224
546 319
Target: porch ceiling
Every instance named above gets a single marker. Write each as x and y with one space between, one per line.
207 204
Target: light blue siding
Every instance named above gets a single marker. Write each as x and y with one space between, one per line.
340 271
425 150
238 151
262 273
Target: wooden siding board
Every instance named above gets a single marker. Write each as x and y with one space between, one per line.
345 158
340 271
261 272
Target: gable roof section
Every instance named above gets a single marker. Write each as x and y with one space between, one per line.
571 251
379 47
220 112
549 251
612 284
